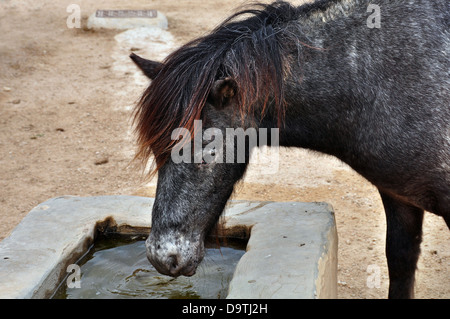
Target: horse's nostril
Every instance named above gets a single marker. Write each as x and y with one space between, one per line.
173 264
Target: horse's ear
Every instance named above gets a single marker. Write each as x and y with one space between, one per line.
150 68
222 92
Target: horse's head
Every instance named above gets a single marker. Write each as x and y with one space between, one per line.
196 180
215 92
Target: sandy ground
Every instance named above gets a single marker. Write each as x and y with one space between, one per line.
65 130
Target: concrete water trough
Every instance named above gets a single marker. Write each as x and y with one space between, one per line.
291 250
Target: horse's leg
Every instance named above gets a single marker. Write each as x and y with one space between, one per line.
404 235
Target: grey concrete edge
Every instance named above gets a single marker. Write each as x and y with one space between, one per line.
292 252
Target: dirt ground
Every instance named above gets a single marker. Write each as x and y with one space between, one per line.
65 130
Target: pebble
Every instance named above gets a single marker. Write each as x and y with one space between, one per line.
6 89
101 161
16 101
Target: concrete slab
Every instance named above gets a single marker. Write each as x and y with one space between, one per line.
55 234
126 19
291 253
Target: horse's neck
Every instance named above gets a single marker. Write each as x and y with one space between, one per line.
323 92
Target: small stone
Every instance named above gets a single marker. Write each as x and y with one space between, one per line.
6 89
101 161
16 101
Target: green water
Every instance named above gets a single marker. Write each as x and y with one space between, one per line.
119 269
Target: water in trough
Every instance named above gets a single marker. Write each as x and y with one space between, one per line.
119 269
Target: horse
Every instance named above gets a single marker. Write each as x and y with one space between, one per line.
368 84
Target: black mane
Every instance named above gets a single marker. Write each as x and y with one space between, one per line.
247 47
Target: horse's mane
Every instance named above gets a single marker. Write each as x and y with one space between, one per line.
249 50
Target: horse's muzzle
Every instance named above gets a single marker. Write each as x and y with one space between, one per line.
172 265
174 260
